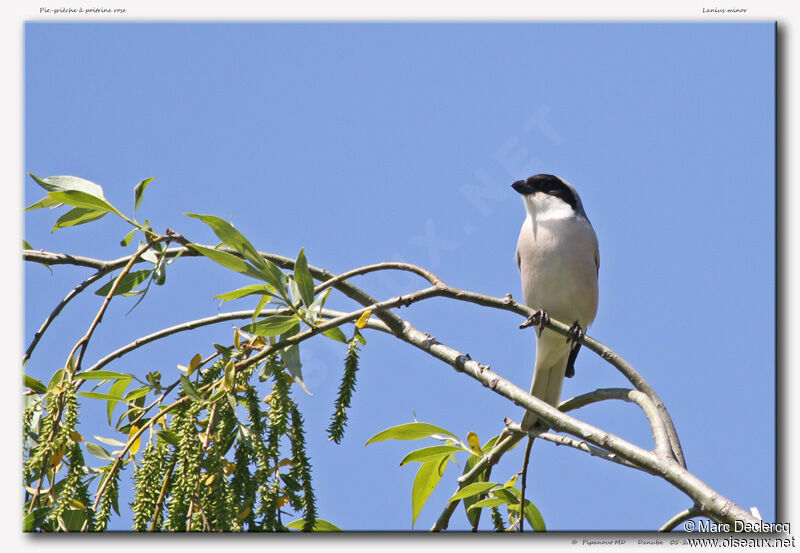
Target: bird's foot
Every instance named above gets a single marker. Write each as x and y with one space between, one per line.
540 319
575 333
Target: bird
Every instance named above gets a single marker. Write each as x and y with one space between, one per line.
559 263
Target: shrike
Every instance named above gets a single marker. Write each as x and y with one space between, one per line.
559 262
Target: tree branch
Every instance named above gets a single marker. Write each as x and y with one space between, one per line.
84 341
681 517
377 308
674 472
197 323
657 426
504 442
131 440
198 472
50 318
561 439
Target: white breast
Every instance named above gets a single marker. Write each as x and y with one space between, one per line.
557 253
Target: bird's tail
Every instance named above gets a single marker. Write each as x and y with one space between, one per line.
552 355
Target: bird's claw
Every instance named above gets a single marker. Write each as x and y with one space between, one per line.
540 319
575 333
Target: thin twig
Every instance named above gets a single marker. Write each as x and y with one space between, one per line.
73 365
504 442
153 420
487 474
681 517
524 481
162 494
594 451
197 323
657 426
395 323
50 318
206 439
671 471
376 307
131 440
84 341
675 473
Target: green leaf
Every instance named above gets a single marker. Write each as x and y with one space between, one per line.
228 260
74 519
36 518
291 483
177 256
409 431
294 290
116 389
319 526
275 276
473 489
160 272
469 501
137 393
194 363
128 237
335 333
303 278
230 375
532 515
216 396
262 302
357 336
487 447
138 192
232 237
78 216
77 198
509 495
101 375
272 325
126 429
47 201
109 441
34 384
222 350
427 453
55 380
128 283
426 480
231 400
315 308
250 290
290 355
168 436
150 255
99 452
100 395
26 245
488 502
68 182
189 389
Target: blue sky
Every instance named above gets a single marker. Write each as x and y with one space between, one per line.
373 142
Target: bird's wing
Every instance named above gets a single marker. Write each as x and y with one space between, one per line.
596 258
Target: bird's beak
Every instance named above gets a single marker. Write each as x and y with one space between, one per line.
523 187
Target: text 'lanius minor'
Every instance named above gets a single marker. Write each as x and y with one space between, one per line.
558 261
